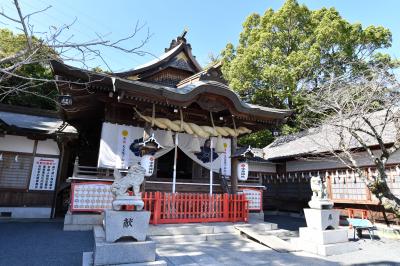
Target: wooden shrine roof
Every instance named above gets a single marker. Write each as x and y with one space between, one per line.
174 79
209 94
24 120
178 58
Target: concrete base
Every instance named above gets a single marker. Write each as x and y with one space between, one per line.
256 217
324 242
323 237
119 224
316 239
123 252
324 250
25 212
322 219
81 221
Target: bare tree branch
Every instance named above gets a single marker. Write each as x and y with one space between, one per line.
360 112
56 44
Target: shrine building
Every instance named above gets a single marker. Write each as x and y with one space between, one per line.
185 108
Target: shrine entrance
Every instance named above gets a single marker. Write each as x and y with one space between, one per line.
184 166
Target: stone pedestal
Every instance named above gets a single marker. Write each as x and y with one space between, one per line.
322 235
322 219
123 252
122 240
119 224
120 201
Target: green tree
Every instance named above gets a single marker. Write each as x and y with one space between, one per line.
256 139
35 87
282 52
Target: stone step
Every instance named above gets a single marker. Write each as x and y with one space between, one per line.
189 229
260 227
81 221
178 239
325 250
78 227
87 260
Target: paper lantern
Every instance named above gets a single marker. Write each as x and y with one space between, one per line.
219 146
167 139
148 162
243 171
195 145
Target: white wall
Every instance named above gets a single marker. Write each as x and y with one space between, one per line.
13 143
48 147
331 163
16 144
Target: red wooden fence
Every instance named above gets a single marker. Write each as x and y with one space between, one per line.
168 208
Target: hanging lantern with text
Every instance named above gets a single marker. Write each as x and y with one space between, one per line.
243 171
147 163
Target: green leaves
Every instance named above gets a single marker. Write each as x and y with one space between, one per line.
31 82
283 52
257 139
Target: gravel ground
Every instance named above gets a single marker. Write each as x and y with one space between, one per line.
41 243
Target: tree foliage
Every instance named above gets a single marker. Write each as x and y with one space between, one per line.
17 91
257 139
283 52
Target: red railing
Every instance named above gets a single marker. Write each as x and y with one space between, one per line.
168 208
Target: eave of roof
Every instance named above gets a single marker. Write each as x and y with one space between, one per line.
189 93
164 58
42 124
324 139
185 94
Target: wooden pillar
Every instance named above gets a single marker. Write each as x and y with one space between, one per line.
329 182
61 172
175 162
234 164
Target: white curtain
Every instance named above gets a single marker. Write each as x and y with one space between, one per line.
115 142
221 162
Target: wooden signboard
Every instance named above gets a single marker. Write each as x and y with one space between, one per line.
254 196
91 196
44 173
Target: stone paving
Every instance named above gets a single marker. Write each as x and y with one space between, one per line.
41 244
44 243
247 252
232 253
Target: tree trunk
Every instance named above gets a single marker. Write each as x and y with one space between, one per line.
389 201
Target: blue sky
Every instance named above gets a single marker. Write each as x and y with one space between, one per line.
211 24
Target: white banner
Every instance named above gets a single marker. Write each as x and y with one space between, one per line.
203 157
115 142
124 141
116 139
225 157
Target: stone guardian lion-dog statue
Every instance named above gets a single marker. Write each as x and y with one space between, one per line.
122 184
